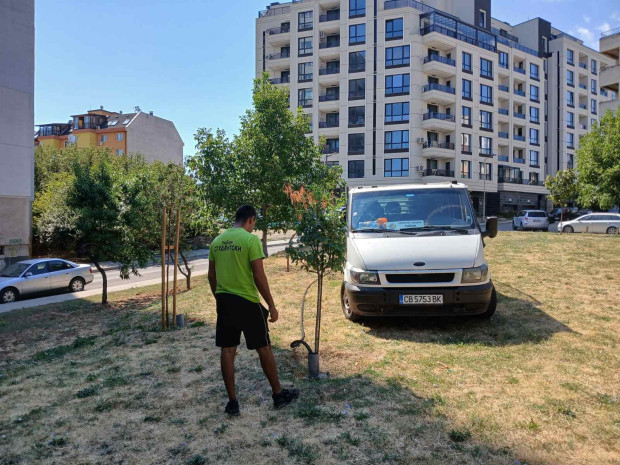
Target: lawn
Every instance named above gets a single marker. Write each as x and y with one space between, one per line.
536 384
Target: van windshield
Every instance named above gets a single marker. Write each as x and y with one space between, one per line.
415 209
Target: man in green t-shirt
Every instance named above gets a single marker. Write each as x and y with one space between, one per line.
236 276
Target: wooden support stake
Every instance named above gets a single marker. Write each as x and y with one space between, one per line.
163 272
176 266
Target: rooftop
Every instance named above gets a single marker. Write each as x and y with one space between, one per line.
613 32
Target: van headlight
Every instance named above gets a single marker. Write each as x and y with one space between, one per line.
364 277
475 275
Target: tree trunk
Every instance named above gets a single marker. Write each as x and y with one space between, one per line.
317 329
163 273
104 278
188 275
561 219
264 241
168 268
176 265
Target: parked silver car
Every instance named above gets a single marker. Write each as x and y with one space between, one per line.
531 219
600 223
41 275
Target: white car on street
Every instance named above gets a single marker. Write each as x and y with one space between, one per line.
599 223
42 275
531 219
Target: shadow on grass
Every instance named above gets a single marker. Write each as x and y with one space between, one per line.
516 321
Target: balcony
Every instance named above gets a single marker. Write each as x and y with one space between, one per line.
329 124
333 15
328 71
281 80
583 65
520 161
503 135
330 48
279 35
437 65
519 70
502 179
329 98
503 88
330 149
519 138
520 93
437 172
437 93
329 44
519 115
436 149
583 107
503 158
503 111
583 86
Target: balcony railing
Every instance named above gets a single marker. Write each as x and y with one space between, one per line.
438 145
330 44
583 126
390 4
519 138
610 33
280 80
279 30
328 150
442 173
521 161
519 92
324 71
503 158
440 116
439 87
331 16
503 88
510 180
519 115
583 65
583 86
583 107
519 70
329 97
503 135
278 56
440 59
329 124
503 111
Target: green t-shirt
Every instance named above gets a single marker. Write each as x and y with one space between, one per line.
232 251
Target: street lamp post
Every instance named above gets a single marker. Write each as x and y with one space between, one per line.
484 185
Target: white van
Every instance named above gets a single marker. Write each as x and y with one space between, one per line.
416 250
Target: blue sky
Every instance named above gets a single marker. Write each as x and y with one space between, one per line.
192 61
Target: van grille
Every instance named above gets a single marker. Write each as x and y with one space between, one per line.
420 278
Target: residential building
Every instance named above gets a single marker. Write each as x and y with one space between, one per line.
405 91
138 132
16 125
609 45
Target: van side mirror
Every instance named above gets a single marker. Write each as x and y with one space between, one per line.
491 230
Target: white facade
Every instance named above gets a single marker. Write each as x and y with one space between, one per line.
16 128
156 138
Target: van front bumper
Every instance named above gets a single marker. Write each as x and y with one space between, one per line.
382 301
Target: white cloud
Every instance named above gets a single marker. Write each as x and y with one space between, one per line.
615 16
586 35
587 19
604 27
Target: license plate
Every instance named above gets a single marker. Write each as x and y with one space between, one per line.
421 299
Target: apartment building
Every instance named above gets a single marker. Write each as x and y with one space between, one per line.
16 125
138 132
405 91
609 45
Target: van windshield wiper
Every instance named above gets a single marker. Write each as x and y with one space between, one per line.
438 228
379 230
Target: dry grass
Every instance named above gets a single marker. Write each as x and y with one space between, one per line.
538 383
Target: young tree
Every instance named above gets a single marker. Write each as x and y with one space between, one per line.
562 189
321 230
271 150
598 164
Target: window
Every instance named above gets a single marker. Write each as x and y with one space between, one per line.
304 72
356 169
467 89
357 61
333 145
356 144
486 94
357 89
357 8
593 86
570 120
482 18
466 120
503 60
104 137
486 120
357 116
534 178
570 57
397 84
486 145
396 167
570 98
534 136
593 66
466 143
570 78
486 68
486 171
534 115
394 29
304 46
534 70
397 141
593 106
570 161
127 121
397 56
120 152
467 62
465 169
534 158
304 97
120 136
304 20
57 265
357 34
534 95
397 112
38 268
570 140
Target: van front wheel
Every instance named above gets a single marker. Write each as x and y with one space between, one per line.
491 308
346 306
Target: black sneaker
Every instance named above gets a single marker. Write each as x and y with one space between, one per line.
232 408
285 397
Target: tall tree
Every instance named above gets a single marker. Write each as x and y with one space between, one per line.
562 189
272 149
598 164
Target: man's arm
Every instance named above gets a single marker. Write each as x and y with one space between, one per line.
212 276
260 279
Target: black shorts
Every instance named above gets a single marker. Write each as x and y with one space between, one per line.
235 315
